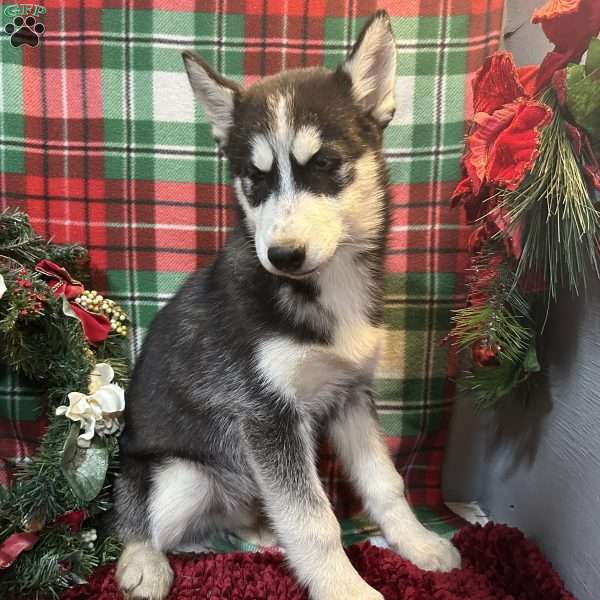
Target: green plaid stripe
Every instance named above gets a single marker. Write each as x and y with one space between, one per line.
22 421
101 142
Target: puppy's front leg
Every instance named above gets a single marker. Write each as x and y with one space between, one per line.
361 449
281 452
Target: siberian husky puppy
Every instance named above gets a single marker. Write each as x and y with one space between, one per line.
277 341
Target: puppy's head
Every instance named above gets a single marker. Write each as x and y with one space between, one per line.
304 149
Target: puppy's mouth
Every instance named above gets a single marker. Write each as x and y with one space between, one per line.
293 275
302 274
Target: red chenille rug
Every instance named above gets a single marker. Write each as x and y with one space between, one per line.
499 563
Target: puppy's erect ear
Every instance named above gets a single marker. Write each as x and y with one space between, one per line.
215 94
372 68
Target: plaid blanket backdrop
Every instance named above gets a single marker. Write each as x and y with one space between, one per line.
102 144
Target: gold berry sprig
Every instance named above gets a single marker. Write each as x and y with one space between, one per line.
94 302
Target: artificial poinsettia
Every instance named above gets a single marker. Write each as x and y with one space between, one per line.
511 233
577 89
475 205
477 238
504 144
503 181
496 83
569 25
583 149
504 139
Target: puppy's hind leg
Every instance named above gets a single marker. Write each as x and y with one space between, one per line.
179 496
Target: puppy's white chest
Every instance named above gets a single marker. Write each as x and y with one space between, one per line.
306 371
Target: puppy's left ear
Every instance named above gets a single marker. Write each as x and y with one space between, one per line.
372 68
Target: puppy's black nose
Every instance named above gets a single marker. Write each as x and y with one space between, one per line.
286 259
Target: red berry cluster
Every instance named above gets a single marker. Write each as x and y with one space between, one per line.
33 299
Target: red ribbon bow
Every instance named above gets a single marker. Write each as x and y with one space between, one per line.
21 541
95 327
13 545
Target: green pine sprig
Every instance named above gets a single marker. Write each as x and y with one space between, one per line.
491 384
561 225
20 245
502 323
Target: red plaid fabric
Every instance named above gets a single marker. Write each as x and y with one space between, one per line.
101 143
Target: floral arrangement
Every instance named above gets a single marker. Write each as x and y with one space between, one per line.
531 173
71 342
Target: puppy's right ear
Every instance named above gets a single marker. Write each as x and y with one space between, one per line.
215 93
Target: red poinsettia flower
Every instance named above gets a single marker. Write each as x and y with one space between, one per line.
504 145
478 237
495 223
582 148
475 205
528 78
569 25
591 166
496 83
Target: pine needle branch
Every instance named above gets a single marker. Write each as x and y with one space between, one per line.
561 224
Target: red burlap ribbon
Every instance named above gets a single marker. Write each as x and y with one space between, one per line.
21 541
95 327
13 545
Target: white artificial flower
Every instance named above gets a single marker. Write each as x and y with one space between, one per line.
98 412
2 286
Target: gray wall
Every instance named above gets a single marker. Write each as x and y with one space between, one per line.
535 463
542 463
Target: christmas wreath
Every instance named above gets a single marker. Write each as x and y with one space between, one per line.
531 173
70 341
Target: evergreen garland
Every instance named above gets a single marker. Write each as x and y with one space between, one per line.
497 327
532 172
38 340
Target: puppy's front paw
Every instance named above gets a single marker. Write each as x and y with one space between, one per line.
354 588
144 573
428 551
